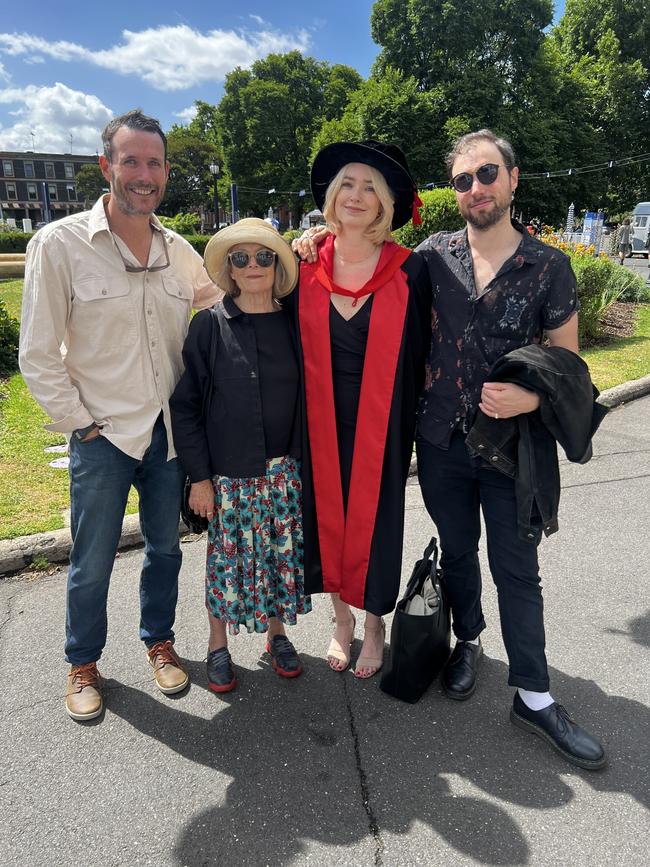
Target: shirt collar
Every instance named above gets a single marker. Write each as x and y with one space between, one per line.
230 308
529 249
98 221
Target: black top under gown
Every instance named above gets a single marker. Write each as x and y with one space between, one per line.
348 338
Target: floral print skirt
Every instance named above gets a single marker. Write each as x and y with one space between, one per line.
254 566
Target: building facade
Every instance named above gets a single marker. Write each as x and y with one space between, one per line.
30 182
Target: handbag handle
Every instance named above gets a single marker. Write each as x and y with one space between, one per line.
424 568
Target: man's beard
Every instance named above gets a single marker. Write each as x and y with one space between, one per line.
125 204
486 217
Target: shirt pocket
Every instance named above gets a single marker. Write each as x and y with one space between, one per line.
102 310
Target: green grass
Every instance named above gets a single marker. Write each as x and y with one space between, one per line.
623 360
34 496
11 292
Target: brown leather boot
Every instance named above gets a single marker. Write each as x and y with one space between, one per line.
168 670
84 695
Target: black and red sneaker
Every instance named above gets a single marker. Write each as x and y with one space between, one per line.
221 677
284 659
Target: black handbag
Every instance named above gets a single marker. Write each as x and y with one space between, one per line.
419 636
197 523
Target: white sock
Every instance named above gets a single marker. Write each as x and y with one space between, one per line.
535 700
475 641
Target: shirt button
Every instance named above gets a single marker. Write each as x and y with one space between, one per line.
149 312
253 373
180 294
494 458
157 373
104 292
153 342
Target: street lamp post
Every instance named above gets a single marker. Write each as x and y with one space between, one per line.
214 171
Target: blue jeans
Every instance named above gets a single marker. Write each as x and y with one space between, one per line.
455 488
100 478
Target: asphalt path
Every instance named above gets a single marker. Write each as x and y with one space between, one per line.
328 770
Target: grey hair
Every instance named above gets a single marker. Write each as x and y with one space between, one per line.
465 142
133 119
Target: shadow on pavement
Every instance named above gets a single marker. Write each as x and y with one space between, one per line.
302 755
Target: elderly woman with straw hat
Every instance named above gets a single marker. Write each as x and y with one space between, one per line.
236 425
363 312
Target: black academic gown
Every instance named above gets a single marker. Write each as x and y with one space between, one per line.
384 570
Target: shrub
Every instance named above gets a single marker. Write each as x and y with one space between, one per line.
290 234
14 242
9 333
439 214
184 224
599 286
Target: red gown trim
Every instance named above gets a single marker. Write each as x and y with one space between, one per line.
345 543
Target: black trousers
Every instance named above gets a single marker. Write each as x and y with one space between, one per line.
455 488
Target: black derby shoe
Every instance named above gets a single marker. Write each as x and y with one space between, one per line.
459 674
554 724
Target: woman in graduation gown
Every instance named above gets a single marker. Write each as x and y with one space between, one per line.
363 313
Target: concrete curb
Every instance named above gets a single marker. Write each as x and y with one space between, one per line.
19 553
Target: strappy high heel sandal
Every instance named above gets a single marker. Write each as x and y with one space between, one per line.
336 650
370 661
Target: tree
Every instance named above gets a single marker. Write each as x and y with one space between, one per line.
190 183
90 182
390 107
267 119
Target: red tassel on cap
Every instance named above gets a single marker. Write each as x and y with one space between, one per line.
417 204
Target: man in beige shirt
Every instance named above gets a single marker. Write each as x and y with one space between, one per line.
107 300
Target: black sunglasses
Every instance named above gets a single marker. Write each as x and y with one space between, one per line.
486 175
240 259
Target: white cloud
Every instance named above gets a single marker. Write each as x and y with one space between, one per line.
167 58
4 75
187 114
53 114
259 20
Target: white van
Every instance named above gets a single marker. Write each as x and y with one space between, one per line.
641 226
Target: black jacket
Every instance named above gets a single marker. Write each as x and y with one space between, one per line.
524 447
230 441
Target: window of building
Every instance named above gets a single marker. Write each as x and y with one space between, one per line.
72 195
69 170
32 193
29 169
8 168
49 170
54 194
11 191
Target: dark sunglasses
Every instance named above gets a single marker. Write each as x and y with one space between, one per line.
486 175
139 269
240 259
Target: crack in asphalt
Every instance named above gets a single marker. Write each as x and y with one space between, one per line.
363 781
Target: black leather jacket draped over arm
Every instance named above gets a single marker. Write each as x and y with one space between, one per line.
525 446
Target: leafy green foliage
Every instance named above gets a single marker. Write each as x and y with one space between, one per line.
267 120
184 224
14 242
190 182
90 183
439 214
9 336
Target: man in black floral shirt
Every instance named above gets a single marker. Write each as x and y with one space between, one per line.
495 289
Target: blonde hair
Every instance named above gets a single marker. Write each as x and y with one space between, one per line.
224 280
379 230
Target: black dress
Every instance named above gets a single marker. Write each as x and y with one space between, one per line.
348 338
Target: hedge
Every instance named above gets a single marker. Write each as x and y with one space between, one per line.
439 213
14 242
199 242
9 334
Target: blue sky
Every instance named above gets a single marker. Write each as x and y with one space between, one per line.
67 67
